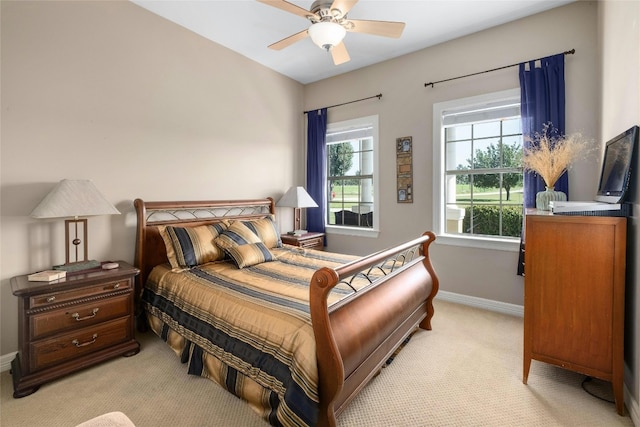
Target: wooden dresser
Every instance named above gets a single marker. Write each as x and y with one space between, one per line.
69 324
574 295
308 240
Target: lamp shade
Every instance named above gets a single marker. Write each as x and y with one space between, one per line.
297 197
73 198
327 34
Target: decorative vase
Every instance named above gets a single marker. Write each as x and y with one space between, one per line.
544 197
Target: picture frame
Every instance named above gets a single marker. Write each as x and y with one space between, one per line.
404 145
404 169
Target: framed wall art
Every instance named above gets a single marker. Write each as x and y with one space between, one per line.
404 162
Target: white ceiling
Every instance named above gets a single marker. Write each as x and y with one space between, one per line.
248 27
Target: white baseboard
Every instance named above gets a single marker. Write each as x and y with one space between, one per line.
5 361
632 407
487 304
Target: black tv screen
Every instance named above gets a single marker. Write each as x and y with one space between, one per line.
616 167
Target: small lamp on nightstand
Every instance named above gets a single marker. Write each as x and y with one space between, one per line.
75 198
297 198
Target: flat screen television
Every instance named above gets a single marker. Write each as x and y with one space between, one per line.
616 166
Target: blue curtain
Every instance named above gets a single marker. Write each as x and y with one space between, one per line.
316 167
542 101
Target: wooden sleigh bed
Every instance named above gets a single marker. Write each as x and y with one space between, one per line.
358 310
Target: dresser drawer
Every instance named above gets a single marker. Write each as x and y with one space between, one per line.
70 295
79 315
70 346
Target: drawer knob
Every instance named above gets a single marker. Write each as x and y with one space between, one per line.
92 315
51 299
78 344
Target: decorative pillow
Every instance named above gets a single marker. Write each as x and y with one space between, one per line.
249 254
237 234
267 230
191 246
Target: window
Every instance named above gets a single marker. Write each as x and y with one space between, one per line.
352 164
477 170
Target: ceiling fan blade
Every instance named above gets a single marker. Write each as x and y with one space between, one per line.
288 41
343 5
289 7
378 28
339 54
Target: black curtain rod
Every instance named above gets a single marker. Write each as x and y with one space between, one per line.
568 52
345 103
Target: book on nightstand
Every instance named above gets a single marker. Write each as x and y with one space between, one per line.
47 276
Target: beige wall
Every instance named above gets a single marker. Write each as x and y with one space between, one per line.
406 109
619 43
107 91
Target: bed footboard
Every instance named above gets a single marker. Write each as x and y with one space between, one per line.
356 336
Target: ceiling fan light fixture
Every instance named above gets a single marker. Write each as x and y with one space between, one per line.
327 34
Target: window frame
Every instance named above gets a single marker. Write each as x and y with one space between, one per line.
439 201
344 229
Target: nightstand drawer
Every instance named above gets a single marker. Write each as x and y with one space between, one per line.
307 241
77 343
80 315
314 243
59 297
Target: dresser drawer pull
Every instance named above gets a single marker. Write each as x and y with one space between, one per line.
92 315
51 299
77 343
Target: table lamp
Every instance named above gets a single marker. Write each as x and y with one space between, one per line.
75 198
296 198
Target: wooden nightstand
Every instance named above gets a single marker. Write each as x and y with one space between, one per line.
308 241
69 324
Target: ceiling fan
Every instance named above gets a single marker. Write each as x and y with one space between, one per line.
329 25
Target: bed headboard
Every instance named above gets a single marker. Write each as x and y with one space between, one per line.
150 248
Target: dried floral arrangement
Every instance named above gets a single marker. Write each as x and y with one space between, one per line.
549 156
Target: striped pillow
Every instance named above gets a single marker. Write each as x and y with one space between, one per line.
191 246
249 254
237 234
267 230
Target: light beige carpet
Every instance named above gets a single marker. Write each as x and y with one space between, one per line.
467 371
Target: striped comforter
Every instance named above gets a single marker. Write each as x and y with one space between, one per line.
247 329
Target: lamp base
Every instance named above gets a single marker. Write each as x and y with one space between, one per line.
78 266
